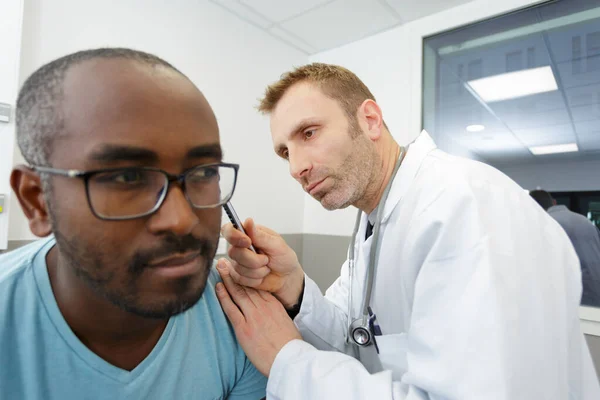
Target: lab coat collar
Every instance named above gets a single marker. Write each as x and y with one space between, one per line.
417 151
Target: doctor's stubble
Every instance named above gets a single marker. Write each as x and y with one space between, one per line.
355 174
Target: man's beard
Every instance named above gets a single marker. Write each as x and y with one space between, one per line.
352 178
89 265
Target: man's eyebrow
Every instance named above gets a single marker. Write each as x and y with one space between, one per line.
302 125
111 153
298 128
206 151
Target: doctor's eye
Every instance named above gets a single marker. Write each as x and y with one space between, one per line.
309 134
285 154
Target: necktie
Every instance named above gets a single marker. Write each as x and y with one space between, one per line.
369 231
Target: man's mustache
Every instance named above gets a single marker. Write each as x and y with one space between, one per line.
172 244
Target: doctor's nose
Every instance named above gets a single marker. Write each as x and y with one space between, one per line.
299 166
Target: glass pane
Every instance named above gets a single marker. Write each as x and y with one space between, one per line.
521 92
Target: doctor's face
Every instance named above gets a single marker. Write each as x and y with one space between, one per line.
328 153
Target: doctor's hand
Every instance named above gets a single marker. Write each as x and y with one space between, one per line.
276 269
261 324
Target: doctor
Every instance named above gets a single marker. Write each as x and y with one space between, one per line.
457 286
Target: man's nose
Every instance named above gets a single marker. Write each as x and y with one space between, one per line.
175 214
300 165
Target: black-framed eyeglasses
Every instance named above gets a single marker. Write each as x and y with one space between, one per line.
135 192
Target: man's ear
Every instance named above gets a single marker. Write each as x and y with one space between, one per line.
370 114
27 185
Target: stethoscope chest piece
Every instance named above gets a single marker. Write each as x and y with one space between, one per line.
360 333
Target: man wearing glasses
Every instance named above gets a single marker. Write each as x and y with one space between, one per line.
126 176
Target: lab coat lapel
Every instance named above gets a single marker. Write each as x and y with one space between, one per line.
413 160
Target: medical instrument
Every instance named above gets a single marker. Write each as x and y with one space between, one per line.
362 330
235 221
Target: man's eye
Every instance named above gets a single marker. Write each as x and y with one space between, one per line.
309 134
285 154
203 174
128 177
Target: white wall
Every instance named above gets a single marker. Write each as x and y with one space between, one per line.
557 176
391 64
11 17
229 60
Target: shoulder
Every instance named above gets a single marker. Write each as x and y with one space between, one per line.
209 303
585 224
442 180
210 322
208 316
468 200
213 276
457 182
209 298
16 263
561 213
19 294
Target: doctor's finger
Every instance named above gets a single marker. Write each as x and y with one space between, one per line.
247 257
243 280
235 237
261 228
252 301
232 311
269 298
237 292
262 237
252 273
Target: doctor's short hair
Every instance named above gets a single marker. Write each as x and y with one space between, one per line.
39 114
336 82
543 198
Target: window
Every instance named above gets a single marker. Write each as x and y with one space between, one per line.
521 92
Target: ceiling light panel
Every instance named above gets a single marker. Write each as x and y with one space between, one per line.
514 85
554 149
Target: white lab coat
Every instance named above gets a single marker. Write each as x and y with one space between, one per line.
477 294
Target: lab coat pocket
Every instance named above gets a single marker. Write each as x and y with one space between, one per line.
392 353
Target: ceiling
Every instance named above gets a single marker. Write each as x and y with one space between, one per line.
571 114
312 26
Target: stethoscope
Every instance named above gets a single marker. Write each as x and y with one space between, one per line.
361 330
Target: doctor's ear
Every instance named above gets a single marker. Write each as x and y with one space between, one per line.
27 186
370 118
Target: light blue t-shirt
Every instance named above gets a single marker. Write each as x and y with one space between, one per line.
197 356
